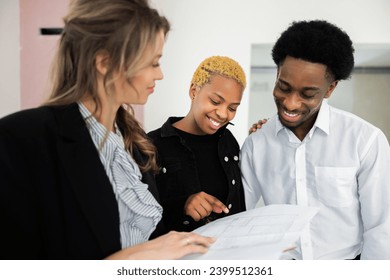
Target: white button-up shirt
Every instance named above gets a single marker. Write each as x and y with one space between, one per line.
342 166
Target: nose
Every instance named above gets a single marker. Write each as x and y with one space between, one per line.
222 113
292 102
159 74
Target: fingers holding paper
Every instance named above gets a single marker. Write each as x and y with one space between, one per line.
181 244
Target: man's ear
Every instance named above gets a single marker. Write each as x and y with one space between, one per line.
331 88
101 63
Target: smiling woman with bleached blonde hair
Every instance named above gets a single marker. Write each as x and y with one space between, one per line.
200 180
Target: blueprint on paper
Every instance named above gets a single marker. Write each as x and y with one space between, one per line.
261 233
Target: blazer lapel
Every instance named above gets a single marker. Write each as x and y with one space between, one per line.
88 178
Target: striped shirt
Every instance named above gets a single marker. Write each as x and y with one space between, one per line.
139 211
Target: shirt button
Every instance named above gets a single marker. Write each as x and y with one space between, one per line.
186 222
164 170
233 182
230 206
226 159
236 158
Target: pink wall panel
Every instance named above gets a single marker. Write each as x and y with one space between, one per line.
37 51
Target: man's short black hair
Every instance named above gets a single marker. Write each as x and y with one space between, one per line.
317 41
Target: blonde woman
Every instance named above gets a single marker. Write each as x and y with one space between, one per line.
77 173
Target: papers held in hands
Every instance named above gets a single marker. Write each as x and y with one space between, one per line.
261 233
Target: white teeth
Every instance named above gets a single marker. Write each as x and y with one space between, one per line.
290 114
215 123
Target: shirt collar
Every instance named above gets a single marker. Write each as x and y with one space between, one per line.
323 117
100 130
168 130
322 121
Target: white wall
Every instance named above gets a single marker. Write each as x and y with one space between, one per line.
9 57
201 28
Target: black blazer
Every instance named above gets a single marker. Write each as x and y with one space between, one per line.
56 201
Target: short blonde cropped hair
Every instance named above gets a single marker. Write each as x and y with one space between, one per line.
220 65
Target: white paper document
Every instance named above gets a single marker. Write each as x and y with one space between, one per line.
260 233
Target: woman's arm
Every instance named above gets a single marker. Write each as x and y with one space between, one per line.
172 245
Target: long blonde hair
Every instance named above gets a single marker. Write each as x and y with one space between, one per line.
121 28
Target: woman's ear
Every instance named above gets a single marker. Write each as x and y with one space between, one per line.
193 90
101 63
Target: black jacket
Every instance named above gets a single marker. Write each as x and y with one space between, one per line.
178 177
56 201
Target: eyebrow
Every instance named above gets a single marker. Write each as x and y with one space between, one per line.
223 99
304 88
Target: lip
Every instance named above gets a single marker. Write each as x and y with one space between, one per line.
150 89
214 123
289 116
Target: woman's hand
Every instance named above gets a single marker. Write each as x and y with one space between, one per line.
257 125
200 205
172 245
